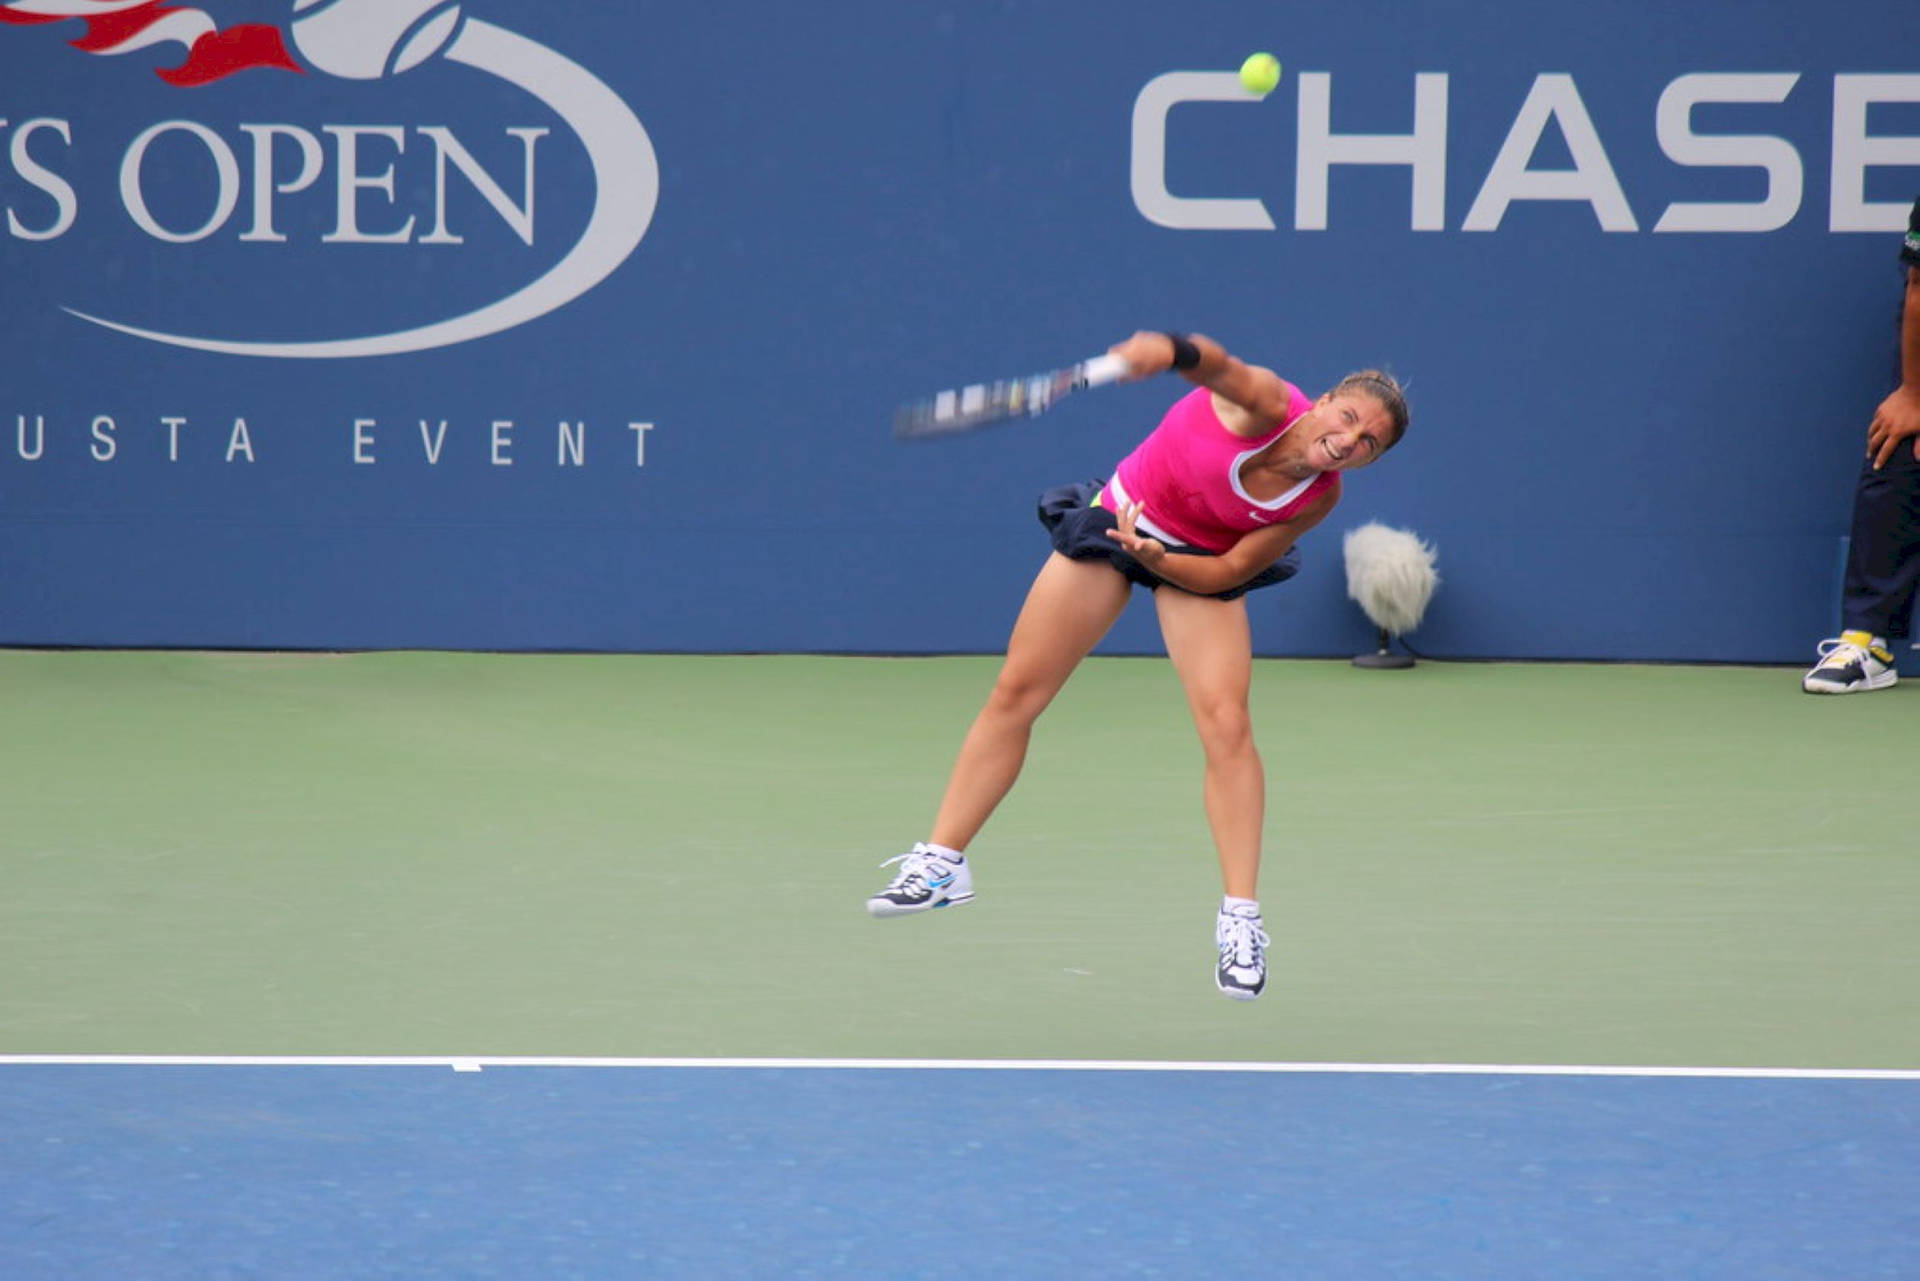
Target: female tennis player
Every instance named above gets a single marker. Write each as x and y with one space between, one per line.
1207 508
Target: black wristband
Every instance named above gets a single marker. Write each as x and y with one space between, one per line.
1185 354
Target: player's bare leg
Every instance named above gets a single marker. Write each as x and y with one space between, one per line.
1071 605
1212 650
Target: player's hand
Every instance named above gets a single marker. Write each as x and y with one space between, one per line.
1148 551
1897 419
1147 353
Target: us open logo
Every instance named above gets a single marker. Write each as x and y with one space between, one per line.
252 174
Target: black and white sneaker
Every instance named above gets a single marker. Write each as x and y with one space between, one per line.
1243 954
1849 664
926 880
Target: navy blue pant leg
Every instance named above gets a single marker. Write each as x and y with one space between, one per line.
1883 557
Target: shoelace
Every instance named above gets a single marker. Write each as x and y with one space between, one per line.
1243 936
914 865
1837 651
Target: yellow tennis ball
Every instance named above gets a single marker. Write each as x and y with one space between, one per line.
1260 73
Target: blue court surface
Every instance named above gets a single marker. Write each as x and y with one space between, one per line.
552 1169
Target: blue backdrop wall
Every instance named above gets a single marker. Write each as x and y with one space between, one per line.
381 323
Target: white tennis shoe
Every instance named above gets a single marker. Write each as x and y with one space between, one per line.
1243 953
926 880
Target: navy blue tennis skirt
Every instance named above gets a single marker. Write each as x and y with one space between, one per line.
1079 532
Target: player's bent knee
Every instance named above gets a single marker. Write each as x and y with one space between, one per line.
1017 699
1225 731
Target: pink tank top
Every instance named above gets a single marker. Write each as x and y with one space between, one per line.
1187 472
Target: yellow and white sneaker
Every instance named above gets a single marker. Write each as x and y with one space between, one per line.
1851 663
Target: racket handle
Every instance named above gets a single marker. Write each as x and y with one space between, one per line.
1101 370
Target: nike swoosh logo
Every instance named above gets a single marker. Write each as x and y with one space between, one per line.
942 883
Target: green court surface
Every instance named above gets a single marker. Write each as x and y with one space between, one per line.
644 855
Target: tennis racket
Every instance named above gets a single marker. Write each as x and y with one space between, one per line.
966 409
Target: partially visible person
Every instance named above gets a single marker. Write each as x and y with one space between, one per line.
1205 509
1883 557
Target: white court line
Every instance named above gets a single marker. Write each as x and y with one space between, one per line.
477 1063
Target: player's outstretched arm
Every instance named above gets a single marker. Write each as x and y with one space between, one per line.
1256 397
